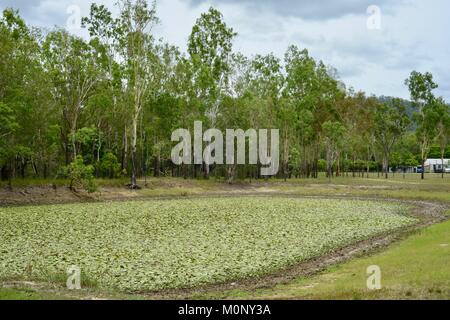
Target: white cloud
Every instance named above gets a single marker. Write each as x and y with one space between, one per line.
413 33
305 9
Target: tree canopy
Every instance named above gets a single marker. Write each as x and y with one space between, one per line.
111 102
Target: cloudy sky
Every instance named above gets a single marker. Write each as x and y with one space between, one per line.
412 34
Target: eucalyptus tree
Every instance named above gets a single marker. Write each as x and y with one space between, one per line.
210 47
287 123
109 113
407 150
313 93
300 91
333 132
391 122
136 44
12 28
26 113
122 93
327 94
443 128
421 88
254 92
266 81
164 108
8 126
358 114
73 70
266 77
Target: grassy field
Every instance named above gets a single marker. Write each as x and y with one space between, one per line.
416 268
413 268
147 246
409 186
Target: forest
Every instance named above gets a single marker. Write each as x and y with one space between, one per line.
106 106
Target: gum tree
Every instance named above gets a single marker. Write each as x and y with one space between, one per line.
300 91
391 122
104 35
265 83
210 47
421 88
443 128
136 42
333 131
26 114
72 68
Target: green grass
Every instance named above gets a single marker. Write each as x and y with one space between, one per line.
29 182
20 183
153 245
433 188
346 179
27 294
416 268
398 192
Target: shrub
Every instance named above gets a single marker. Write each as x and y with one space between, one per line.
110 166
81 175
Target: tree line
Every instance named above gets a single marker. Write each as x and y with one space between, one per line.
109 104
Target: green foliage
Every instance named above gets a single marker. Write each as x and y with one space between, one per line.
8 122
110 166
391 121
443 126
116 97
322 165
435 152
81 175
209 46
199 242
8 126
421 88
333 133
85 136
403 275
